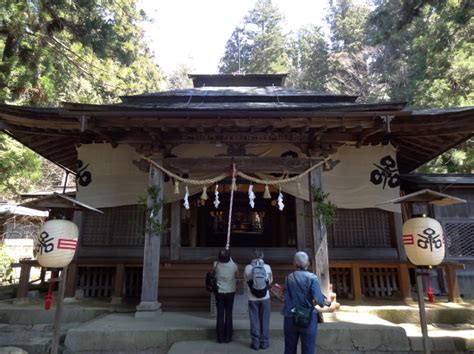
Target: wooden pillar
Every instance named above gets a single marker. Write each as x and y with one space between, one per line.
404 278
71 280
300 224
175 237
23 284
117 295
454 294
398 225
59 310
282 229
193 214
320 237
149 305
356 283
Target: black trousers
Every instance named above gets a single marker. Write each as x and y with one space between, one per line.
224 327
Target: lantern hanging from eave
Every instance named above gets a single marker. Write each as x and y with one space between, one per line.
423 239
56 243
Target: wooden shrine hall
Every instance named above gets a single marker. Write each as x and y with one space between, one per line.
294 151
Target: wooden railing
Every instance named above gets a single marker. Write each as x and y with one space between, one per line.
118 278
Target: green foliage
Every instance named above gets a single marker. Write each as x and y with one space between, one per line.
259 43
154 205
425 50
349 60
323 207
309 56
53 51
179 79
82 51
6 270
457 160
347 22
425 58
20 167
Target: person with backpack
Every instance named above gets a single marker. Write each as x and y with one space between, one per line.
302 293
226 271
258 277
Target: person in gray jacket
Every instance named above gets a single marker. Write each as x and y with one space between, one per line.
258 277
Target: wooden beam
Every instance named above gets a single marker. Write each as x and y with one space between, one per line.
245 164
57 123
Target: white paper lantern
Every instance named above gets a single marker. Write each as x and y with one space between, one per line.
56 243
424 241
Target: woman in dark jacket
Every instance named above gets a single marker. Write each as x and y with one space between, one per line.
302 288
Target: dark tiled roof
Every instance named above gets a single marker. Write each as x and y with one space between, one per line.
238 94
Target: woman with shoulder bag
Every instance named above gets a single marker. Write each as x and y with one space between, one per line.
302 293
226 271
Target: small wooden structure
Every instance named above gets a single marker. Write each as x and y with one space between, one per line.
265 129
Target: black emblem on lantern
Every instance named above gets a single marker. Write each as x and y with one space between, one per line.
45 244
386 172
429 239
83 177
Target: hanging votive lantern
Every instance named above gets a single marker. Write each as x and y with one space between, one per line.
424 241
176 187
204 193
266 193
56 244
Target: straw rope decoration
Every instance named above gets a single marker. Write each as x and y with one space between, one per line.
283 180
194 182
203 182
207 182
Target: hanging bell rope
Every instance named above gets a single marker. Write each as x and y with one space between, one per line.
194 182
234 171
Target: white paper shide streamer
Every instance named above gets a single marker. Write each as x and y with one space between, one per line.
186 198
216 197
251 196
281 206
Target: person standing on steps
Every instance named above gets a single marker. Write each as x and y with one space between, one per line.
258 277
302 290
226 270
